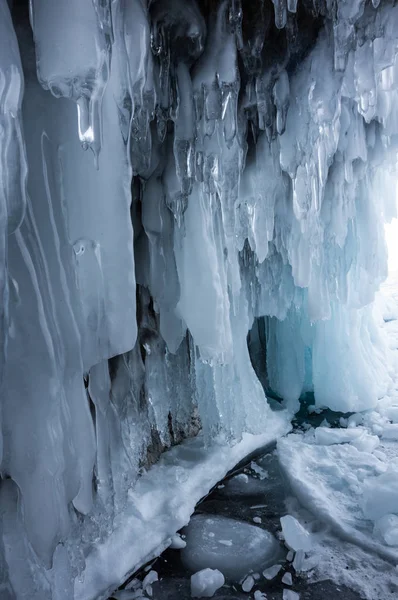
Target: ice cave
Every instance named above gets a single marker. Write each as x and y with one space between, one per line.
199 299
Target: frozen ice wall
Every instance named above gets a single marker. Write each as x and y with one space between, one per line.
170 173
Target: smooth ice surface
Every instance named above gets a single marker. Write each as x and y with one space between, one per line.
250 548
206 582
248 584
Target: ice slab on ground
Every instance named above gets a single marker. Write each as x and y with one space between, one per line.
296 536
251 548
206 582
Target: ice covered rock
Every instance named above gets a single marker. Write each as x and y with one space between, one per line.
251 549
206 582
295 535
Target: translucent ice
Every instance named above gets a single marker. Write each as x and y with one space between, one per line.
251 549
296 536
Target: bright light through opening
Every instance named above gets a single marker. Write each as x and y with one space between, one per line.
392 243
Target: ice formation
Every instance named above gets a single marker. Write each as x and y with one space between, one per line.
205 583
295 535
233 547
239 166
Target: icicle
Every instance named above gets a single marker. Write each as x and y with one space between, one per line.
281 93
72 58
280 13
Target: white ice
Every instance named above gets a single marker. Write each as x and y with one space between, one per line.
295 535
206 582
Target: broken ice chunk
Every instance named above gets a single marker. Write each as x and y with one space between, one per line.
380 495
206 582
262 473
149 579
271 572
177 542
387 528
287 579
259 595
296 537
298 562
290 595
248 584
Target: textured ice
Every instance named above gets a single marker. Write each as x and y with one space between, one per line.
171 176
271 572
205 583
251 548
295 535
346 488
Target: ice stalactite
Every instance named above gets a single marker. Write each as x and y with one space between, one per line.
242 167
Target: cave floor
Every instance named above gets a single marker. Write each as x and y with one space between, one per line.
330 478
261 493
